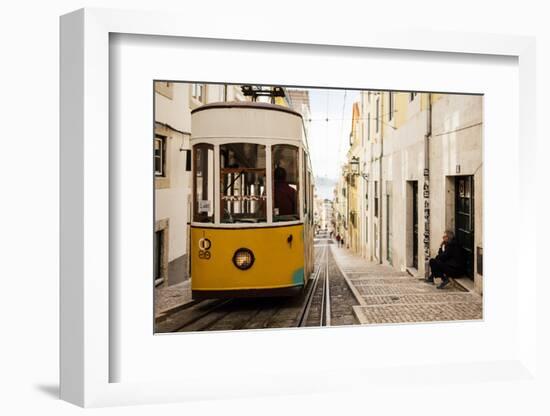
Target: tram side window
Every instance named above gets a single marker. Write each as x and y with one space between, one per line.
285 183
243 183
304 183
309 191
203 201
307 202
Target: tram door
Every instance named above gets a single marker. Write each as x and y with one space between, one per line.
415 222
464 220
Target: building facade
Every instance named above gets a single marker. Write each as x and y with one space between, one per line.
323 214
414 170
172 170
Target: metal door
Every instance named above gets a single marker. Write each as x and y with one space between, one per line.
464 220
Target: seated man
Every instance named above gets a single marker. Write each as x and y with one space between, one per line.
448 262
285 195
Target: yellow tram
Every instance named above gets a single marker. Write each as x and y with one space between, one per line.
252 203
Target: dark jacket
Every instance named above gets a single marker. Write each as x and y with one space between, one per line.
285 198
451 256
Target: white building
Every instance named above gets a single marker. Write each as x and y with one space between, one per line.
298 100
417 171
172 166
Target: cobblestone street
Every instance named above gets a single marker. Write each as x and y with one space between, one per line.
386 295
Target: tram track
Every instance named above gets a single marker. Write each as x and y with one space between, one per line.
201 314
317 310
311 290
312 308
325 305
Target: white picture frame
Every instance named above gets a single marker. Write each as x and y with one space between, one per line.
87 298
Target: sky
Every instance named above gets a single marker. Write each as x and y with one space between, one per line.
329 140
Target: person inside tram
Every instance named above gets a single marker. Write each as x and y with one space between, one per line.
285 195
448 262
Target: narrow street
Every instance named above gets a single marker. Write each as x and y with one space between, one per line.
345 290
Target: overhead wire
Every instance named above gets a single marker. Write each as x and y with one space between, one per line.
341 130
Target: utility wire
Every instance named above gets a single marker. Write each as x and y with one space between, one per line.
459 129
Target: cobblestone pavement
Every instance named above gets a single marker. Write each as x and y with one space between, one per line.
390 296
170 297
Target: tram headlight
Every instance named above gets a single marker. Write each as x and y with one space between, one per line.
243 259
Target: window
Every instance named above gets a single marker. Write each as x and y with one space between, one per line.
203 183
391 105
304 175
197 91
368 127
378 114
285 182
311 197
160 155
243 183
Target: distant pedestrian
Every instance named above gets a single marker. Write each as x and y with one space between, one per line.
338 239
342 241
448 262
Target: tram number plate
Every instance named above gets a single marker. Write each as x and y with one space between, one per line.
204 254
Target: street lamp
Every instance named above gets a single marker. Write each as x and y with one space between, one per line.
354 165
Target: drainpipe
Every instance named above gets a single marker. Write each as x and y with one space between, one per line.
380 199
347 227
426 192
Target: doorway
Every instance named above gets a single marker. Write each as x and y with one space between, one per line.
389 222
464 220
157 257
414 223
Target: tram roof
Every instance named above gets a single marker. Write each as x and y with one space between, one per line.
246 104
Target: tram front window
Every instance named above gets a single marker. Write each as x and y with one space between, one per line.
285 182
242 187
203 201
